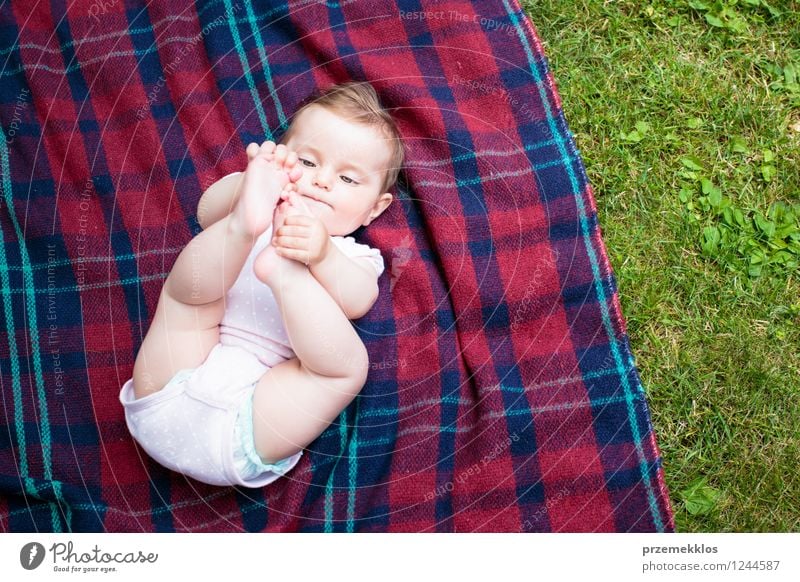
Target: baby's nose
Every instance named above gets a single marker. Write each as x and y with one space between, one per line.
322 179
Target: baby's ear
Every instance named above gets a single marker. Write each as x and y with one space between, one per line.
380 205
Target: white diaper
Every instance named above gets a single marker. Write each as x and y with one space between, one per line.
200 423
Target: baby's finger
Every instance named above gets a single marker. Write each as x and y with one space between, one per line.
290 242
299 220
300 256
294 230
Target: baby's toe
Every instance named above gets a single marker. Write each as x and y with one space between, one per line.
292 168
280 155
297 203
252 151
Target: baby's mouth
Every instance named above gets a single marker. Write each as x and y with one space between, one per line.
314 200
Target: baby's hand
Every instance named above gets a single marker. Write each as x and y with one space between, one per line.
301 237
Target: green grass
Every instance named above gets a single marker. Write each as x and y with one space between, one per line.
715 331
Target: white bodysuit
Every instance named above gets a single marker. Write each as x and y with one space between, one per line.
200 423
252 318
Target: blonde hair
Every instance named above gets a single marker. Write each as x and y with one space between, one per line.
358 102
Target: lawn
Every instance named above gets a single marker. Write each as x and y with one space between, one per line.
687 115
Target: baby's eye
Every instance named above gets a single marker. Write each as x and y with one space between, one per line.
348 180
307 163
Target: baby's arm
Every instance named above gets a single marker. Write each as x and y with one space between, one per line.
218 201
352 283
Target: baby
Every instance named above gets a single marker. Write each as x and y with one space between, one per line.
251 353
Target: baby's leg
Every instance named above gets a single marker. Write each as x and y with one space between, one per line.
295 401
186 324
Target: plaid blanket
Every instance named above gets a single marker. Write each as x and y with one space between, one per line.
502 394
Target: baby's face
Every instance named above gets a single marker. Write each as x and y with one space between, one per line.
344 164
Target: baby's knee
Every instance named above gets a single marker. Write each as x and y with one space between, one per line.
351 374
359 366
351 368
355 368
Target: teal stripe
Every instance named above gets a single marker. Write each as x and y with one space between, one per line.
329 485
352 457
30 486
516 390
473 154
390 440
32 326
512 389
655 512
246 69
251 19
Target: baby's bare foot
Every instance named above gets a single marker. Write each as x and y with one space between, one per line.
269 171
269 266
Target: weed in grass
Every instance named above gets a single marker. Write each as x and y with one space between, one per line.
699 498
740 239
733 15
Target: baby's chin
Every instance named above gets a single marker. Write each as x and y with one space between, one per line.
333 227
